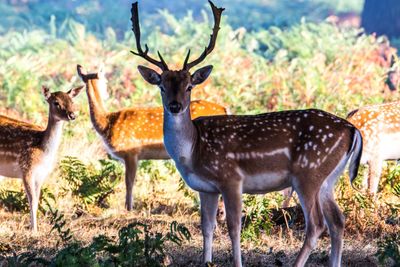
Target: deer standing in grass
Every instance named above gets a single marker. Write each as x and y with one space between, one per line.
28 151
232 155
380 128
135 133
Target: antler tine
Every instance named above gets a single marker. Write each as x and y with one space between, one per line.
136 30
213 38
162 60
186 60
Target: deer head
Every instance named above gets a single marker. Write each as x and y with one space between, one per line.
175 85
60 103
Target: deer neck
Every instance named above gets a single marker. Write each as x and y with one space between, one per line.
180 136
96 106
52 135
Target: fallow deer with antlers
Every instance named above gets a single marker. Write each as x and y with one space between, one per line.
255 154
28 151
380 128
132 134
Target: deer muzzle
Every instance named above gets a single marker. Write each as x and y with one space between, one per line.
71 116
175 107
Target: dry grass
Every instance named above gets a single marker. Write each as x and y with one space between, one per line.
281 246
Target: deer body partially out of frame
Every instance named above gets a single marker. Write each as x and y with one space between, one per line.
135 133
28 151
232 155
380 128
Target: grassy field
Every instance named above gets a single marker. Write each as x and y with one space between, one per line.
306 65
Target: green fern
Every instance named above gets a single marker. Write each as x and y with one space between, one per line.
14 200
257 217
59 224
89 184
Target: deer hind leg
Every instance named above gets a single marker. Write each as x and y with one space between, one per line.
130 174
336 222
209 206
375 171
314 223
233 205
287 194
33 198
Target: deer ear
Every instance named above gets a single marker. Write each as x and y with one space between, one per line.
46 92
151 76
74 92
201 74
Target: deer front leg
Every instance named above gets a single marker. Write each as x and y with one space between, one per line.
130 174
375 171
209 206
38 181
33 198
232 196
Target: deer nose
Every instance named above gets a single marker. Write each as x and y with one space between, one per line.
175 107
71 116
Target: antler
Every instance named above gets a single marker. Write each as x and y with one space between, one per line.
213 38
144 54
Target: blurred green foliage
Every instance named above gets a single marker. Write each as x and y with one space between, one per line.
98 15
307 65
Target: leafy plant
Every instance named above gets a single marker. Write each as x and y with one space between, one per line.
136 246
257 217
393 178
389 248
59 224
22 259
89 184
14 200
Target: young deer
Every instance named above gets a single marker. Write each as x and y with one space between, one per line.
232 155
28 151
132 134
380 128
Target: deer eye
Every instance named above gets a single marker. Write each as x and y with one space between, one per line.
57 104
189 88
